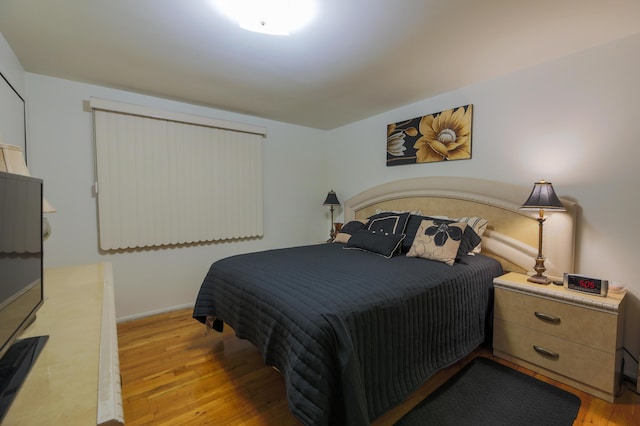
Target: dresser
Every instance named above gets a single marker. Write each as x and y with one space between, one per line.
572 337
76 378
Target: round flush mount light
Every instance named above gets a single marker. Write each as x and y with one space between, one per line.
275 17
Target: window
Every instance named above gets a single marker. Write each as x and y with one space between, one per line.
167 179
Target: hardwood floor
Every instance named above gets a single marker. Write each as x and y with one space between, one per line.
175 373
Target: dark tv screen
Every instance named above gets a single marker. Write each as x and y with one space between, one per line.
21 286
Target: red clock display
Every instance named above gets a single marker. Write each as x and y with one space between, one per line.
586 284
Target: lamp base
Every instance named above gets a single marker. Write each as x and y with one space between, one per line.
539 279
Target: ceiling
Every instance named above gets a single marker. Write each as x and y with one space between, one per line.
356 59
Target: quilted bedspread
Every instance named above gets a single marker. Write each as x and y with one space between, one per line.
353 333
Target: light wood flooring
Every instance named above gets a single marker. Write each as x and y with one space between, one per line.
175 373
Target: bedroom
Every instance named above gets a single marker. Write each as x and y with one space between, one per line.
571 120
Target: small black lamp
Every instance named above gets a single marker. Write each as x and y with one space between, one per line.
331 200
542 198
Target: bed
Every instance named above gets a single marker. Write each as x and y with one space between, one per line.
355 327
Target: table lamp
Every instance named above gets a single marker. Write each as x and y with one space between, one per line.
542 198
331 200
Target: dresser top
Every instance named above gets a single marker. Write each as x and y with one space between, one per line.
518 282
62 386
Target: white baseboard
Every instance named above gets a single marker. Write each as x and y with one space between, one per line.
154 312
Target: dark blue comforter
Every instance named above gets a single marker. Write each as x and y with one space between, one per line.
353 333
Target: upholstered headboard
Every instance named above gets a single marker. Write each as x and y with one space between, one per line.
512 234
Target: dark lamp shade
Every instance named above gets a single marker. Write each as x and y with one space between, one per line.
331 200
543 197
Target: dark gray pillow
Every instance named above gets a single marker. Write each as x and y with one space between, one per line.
383 245
348 230
388 223
352 227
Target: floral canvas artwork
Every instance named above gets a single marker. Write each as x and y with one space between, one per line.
442 136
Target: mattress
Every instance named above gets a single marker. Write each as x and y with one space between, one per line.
353 333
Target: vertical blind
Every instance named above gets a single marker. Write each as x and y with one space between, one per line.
167 182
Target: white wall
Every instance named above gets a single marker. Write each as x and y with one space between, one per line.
574 121
62 153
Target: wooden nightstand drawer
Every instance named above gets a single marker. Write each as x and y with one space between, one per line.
578 362
578 336
577 324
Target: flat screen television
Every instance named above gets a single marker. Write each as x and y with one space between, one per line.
21 283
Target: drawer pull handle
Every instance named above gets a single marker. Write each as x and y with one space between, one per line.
546 352
547 318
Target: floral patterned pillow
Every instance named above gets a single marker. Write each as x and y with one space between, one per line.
437 241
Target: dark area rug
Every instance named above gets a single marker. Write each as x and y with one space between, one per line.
485 392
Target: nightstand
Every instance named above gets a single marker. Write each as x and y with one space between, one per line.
572 337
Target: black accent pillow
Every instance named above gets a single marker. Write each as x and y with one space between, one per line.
470 238
383 245
352 227
348 230
388 223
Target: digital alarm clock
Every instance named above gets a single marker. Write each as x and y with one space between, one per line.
585 284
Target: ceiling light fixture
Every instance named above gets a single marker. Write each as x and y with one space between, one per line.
274 17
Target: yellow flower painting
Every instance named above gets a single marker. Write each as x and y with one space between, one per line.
442 136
